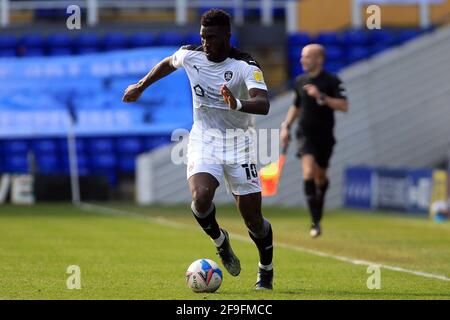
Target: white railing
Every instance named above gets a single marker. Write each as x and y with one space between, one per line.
180 7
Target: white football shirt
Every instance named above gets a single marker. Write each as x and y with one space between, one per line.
214 121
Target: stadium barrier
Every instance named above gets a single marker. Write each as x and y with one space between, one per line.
399 189
27 189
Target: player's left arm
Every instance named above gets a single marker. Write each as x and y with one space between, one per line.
257 104
338 100
339 104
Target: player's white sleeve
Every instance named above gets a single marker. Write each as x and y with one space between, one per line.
254 78
178 58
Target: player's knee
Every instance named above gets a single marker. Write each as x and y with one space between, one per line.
308 172
308 175
320 178
202 200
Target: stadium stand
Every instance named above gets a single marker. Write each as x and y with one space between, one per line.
118 153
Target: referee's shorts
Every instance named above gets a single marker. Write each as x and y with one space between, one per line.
320 147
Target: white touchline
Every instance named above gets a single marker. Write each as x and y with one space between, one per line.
177 225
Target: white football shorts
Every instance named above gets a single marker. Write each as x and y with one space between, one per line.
241 177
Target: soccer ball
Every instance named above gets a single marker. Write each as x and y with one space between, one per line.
204 275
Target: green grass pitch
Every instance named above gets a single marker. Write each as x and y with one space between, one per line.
134 257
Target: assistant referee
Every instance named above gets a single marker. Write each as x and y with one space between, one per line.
318 95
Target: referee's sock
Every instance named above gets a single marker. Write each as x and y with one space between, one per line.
311 198
209 223
321 192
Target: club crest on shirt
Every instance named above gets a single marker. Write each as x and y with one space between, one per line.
228 75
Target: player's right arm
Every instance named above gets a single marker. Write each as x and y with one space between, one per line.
293 113
285 130
161 70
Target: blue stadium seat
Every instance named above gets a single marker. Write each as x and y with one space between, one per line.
8 42
15 163
82 160
406 35
170 39
294 52
296 69
31 45
141 39
155 141
127 163
234 41
86 42
357 53
48 164
32 40
328 38
87 50
129 145
375 49
334 66
192 38
299 39
32 52
5 53
15 146
103 161
44 146
59 40
59 51
100 145
334 53
355 37
79 143
381 37
115 41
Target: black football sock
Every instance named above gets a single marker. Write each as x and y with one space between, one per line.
264 243
208 221
311 199
321 192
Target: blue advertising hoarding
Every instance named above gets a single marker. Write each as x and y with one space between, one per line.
358 187
382 188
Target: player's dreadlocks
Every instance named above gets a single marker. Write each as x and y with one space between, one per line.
216 17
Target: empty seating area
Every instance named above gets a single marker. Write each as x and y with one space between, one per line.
35 44
346 47
107 156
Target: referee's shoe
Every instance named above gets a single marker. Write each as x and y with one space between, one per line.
315 230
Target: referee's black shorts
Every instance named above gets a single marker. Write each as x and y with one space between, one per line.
320 147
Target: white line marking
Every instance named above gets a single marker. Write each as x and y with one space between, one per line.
177 225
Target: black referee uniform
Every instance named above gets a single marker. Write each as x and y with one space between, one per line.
315 131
